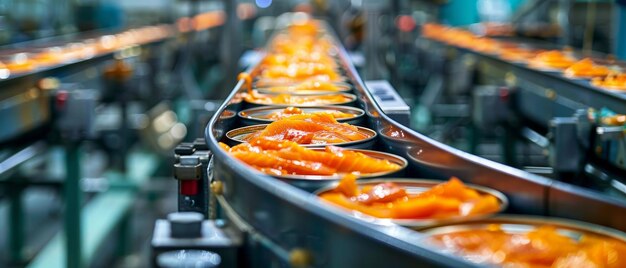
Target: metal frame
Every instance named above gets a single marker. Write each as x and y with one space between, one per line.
293 218
539 98
82 232
575 90
86 225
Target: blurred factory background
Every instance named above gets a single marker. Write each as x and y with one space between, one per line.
96 95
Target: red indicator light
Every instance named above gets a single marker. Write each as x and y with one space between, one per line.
61 99
405 23
189 187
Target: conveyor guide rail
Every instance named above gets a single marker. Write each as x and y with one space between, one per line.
293 218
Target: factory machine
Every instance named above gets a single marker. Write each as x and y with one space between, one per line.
234 212
61 100
491 84
265 162
89 119
568 116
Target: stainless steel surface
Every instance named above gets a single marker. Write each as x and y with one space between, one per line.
539 96
343 87
188 258
12 162
22 110
77 116
74 63
535 137
25 107
413 187
610 133
488 107
269 82
217 240
162 236
566 155
239 135
189 168
292 218
552 87
520 224
389 101
351 99
568 201
256 116
185 224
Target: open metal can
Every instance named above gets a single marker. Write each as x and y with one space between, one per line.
414 187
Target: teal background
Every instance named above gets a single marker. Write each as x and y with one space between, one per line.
464 12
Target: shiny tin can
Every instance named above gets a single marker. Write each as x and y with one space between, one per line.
239 135
416 186
260 115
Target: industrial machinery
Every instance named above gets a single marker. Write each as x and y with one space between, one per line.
561 116
88 119
321 134
283 223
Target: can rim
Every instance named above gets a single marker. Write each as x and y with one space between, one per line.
423 183
344 88
234 135
357 112
572 228
350 96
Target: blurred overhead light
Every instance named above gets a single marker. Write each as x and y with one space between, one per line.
4 73
263 3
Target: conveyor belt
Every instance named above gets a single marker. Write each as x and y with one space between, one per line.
549 85
539 97
293 218
74 64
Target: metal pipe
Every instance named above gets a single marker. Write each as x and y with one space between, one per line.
16 227
535 137
72 225
22 156
565 6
